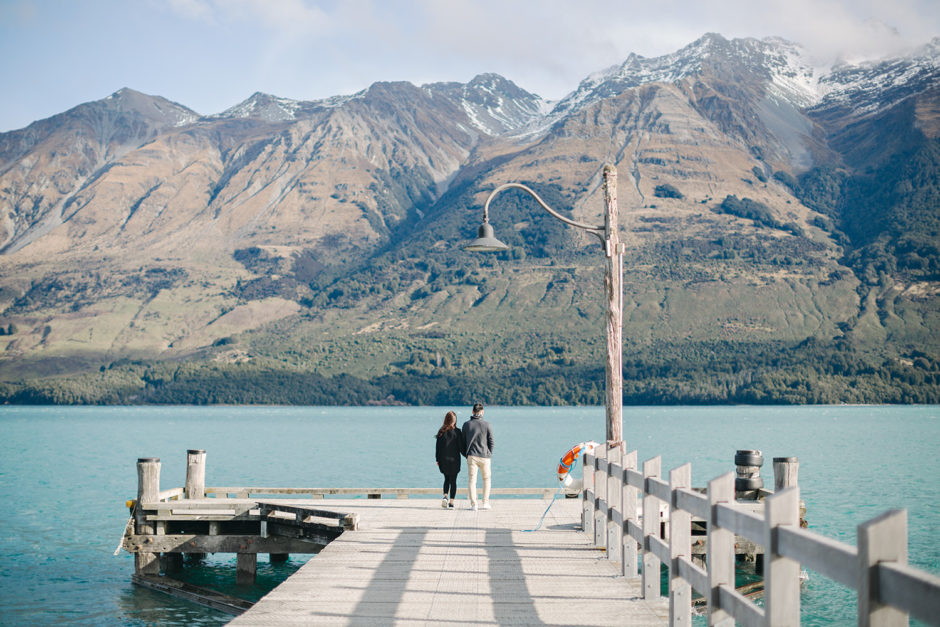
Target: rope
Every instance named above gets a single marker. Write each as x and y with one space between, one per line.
560 488
121 541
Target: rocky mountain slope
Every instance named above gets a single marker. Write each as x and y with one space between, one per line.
145 247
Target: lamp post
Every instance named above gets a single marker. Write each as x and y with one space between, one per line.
609 235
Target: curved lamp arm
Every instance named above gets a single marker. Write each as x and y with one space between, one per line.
599 230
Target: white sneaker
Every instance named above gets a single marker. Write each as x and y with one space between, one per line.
485 506
473 507
444 502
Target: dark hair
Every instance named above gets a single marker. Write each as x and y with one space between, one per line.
477 408
450 422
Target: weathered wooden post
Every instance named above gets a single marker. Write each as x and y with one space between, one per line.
246 567
720 550
148 491
680 545
613 287
587 489
629 565
614 502
600 500
195 487
786 472
882 539
652 526
781 574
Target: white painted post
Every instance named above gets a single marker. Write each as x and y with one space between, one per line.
600 501
881 539
720 550
651 527
629 568
195 487
148 491
680 545
614 503
587 491
781 574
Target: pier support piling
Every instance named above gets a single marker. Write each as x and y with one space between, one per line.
148 491
246 567
195 487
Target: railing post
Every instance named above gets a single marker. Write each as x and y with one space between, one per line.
148 491
195 487
680 545
651 527
720 549
781 574
600 501
629 568
614 503
587 504
882 539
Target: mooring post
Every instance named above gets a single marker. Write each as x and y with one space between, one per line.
148 491
748 482
195 487
786 472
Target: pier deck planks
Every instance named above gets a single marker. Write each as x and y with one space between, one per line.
413 563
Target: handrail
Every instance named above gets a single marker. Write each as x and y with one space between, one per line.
612 489
246 491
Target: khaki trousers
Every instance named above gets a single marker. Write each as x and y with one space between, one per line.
482 464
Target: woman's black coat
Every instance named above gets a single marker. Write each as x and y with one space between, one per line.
448 451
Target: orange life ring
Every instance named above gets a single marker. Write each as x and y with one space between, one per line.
569 458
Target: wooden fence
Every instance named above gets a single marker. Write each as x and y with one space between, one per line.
615 488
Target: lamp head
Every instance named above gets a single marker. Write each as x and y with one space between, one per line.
485 241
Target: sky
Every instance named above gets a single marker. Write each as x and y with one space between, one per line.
210 55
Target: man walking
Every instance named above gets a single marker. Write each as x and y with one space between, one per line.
478 436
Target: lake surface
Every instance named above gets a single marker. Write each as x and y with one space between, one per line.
65 473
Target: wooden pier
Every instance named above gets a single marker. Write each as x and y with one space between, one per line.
412 562
595 560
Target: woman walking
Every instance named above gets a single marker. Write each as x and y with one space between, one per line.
448 452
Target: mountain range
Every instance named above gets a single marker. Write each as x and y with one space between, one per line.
781 221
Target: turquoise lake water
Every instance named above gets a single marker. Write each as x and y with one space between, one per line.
65 473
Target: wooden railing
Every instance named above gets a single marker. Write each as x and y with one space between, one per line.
401 493
888 589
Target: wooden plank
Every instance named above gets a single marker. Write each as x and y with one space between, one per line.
203 596
191 543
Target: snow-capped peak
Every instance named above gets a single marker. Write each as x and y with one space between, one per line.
264 106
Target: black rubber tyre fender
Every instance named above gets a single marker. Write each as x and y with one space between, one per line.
743 484
749 458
